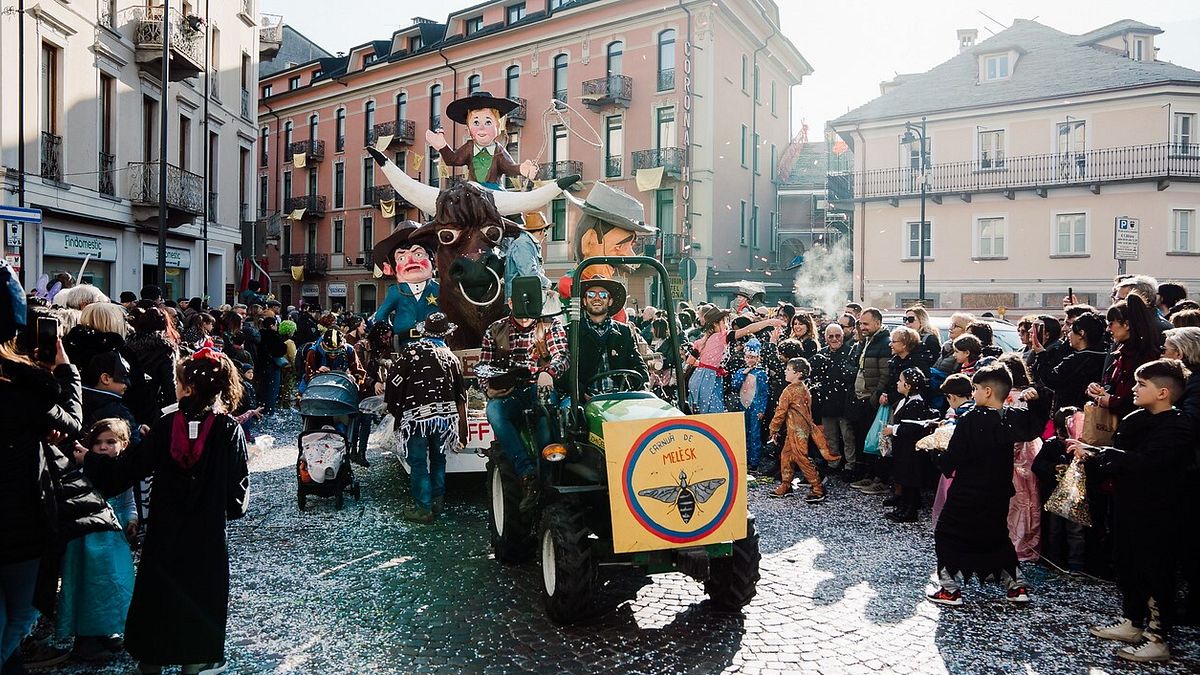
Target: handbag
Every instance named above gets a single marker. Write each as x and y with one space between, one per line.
1069 498
1098 425
281 362
875 433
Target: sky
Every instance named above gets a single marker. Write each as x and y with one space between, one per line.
852 45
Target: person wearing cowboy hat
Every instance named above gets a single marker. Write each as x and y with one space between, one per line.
414 296
426 395
604 343
523 258
482 113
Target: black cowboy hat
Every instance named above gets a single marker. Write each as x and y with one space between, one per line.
436 326
616 291
406 234
459 107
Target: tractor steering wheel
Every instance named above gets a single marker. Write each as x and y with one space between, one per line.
634 381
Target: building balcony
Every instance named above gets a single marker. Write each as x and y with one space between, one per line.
516 118
313 150
382 193
403 132
270 35
52 162
246 105
556 170
313 205
1160 162
184 195
672 248
107 178
666 79
313 263
672 160
608 91
184 37
612 167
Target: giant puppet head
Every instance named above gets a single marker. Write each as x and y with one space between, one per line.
482 114
405 255
611 224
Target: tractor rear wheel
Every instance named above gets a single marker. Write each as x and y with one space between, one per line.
733 581
512 540
568 566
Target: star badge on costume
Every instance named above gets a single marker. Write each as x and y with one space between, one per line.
431 299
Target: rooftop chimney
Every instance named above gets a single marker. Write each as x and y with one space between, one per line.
966 38
418 19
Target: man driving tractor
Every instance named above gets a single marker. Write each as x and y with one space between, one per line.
605 344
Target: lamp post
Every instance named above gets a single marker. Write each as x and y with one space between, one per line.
917 133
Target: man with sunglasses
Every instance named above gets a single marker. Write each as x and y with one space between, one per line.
605 344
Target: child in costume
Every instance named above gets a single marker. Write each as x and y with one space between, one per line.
489 162
957 390
751 384
1149 458
971 536
1025 507
907 427
793 415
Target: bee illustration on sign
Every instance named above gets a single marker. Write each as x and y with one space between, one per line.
686 495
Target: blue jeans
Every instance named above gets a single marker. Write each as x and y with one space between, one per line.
504 414
17 614
272 379
426 469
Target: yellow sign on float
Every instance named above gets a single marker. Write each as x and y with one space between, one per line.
676 483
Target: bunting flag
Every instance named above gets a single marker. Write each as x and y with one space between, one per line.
382 143
443 170
649 179
296 215
516 182
388 206
298 272
539 183
298 160
376 272
414 161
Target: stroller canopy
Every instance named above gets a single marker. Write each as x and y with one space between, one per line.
330 395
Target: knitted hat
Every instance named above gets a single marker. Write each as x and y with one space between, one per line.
287 328
13 307
753 346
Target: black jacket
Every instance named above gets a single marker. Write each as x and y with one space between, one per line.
271 348
619 346
919 359
99 404
151 377
1046 360
1070 377
874 366
83 343
833 376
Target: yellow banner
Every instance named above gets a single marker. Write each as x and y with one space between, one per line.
676 482
298 160
382 143
649 179
443 170
388 206
414 161
376 272
298 272
296 215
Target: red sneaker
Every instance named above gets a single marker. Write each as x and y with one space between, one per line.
1017 594
945 597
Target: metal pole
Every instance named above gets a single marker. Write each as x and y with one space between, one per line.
21 128
207 158
162 147
924 225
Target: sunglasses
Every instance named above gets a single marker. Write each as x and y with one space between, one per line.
592 295
910 319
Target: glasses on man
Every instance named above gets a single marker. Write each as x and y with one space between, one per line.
592 295
910 319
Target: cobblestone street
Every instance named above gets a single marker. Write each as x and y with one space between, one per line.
361 591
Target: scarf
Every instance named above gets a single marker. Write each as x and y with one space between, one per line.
185 451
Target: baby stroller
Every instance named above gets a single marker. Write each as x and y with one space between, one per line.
329 412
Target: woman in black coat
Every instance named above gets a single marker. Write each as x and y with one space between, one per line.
181 595
1070 377
152 361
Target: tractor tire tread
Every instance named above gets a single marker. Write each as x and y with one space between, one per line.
576 567
733 581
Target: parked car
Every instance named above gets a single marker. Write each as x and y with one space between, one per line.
1003 332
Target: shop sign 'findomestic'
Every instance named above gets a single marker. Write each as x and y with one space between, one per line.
74 245
175 257
336 289
310 290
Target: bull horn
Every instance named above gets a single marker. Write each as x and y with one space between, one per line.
420 195
509 203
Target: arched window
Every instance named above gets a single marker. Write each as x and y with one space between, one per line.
560 77
473 83
264 144
666 60
512 81
435 106
312 127
401 106
615 52
340 123
287 135
368 120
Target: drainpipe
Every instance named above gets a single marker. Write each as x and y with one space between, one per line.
453 88
862 241
275 181
21 121
753 139
207 159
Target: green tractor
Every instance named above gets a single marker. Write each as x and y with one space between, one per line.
590 513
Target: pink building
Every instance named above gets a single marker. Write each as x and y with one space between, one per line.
645 81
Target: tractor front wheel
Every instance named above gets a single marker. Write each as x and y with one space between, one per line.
568 567
510 530
733 580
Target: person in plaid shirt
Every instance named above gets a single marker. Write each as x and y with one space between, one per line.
520 356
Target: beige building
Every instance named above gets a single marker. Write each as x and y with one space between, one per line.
1038 142
80 138
701 89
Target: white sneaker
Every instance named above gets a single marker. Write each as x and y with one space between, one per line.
1123 630
1152 649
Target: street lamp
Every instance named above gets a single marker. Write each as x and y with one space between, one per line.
914 133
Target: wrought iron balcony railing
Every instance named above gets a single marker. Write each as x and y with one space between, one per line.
313 205
555 170
1158 161
403 132
673 248
612 167
313 151
382 193
214 85
672 160
245 104
213 211
184 38
106 184
270 35
185 190
610 90
666 79
311 262
516 118
52 156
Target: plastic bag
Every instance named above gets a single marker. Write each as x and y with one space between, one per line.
1069 498
384 435
938 440
875 433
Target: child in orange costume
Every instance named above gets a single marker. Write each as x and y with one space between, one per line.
795 408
